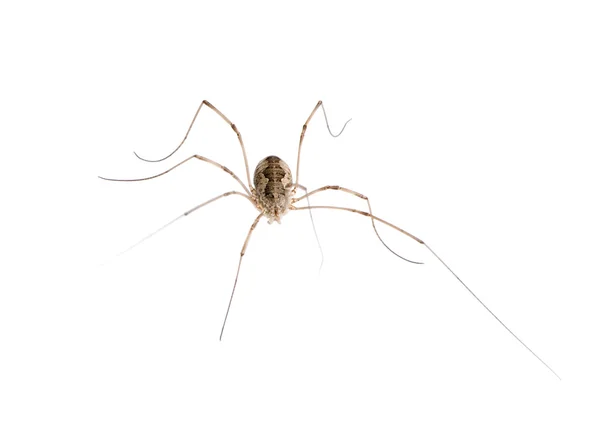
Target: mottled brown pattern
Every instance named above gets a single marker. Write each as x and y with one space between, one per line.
273 184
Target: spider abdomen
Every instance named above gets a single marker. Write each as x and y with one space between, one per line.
273 185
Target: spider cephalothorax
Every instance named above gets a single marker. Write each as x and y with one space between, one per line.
273 187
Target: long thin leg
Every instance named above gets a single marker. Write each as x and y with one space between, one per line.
445 265
360 212
220 114
252 227
229 193
313 225
204 159
361 196
319 104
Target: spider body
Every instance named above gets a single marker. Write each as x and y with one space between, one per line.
273 194
273 188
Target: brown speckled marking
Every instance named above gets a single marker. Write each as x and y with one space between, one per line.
273 185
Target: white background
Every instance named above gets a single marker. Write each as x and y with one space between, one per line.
474 127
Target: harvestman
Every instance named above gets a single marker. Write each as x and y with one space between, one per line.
273 195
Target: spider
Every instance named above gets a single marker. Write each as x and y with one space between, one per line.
273 194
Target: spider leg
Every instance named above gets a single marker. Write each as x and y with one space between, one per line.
224 195
305 126
196 156
313 226
227 120
360 212
243 251
361 196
